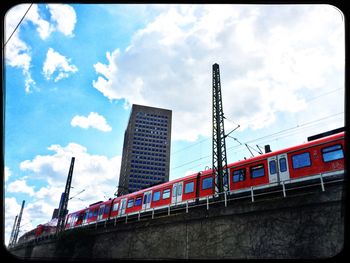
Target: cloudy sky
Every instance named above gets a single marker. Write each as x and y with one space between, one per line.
73 71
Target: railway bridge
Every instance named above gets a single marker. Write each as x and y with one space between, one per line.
305 221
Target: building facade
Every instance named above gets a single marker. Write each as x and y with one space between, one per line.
146 149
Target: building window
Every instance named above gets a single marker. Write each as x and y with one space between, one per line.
332 153
166 193
207 183
301 160
257 171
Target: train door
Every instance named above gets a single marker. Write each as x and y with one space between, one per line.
278 168
272 167
100 212
122 207
177 193
147 200
283 167
86 217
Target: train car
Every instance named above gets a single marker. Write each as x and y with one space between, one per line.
320 157
324 156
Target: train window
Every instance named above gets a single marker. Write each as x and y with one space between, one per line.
257 171
138 201
283 164
115 207
95 212
166 193
106 210
332 153
301 160
238 175
131 203
174 191
156 196
273 168
225 180
189 187
179 190
207 183
90 214
100 212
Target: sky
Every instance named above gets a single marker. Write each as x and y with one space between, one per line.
73 71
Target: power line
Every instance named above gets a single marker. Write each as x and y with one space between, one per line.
283 133
192 145
295 127
18 25
250 121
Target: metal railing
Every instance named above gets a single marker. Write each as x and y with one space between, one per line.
228 196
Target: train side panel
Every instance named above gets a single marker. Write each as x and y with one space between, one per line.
322 158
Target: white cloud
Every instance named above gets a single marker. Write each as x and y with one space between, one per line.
64 16
8 173
94 120
44 27
97 174
55 62
20 186
270 58
17 51
12 208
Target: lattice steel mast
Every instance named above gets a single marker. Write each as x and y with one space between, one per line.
15 234
13 231
220 172
62 211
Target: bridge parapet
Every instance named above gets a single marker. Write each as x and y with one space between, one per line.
306 223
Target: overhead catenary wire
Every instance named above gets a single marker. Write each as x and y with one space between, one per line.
250 121
18 25
282 133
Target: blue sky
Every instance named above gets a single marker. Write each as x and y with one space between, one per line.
73 71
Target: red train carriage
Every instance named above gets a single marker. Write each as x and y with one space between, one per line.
324 156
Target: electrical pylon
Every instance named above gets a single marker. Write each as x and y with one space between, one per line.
220 171
62 211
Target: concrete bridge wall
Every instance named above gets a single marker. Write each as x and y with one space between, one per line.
305 224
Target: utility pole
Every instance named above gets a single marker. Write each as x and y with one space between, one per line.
15 234
220 171
62 210
13 231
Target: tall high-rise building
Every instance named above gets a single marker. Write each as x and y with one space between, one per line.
146 149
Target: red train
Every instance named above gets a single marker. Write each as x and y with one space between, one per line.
323 156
